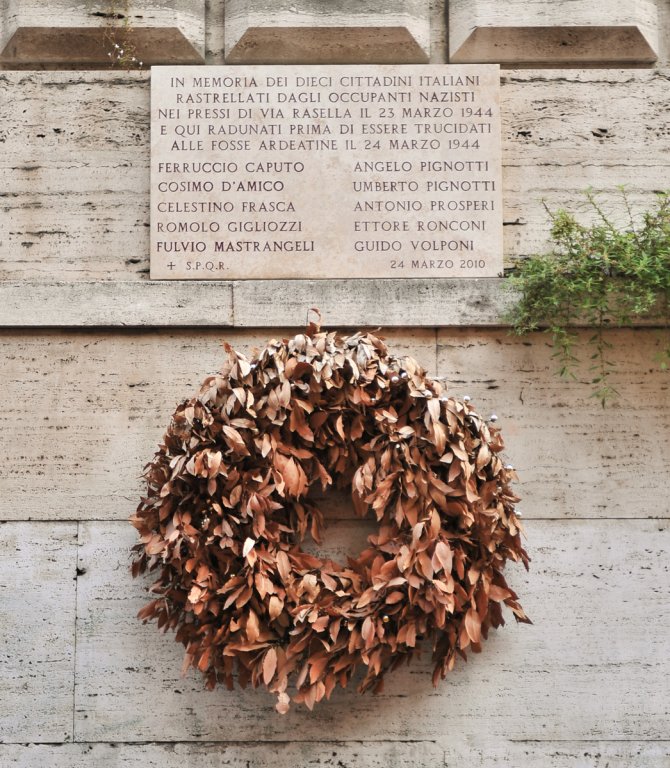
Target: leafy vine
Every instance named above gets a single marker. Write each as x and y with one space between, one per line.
601 275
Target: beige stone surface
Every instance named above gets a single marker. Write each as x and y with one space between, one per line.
388 303
592 588
612 753
575 459
585 686
116 304
488 753
326 754
438 32
98 405
663 32
251 303
37 622
76 204
566 131
214 32
99 402
395 170
71 34
568 33
340 32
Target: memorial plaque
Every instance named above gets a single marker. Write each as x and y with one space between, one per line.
325 172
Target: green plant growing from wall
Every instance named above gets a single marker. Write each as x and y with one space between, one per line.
601 276
119 35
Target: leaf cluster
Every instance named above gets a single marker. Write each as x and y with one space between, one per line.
599 275
228 504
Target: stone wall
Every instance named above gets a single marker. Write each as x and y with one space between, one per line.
95 356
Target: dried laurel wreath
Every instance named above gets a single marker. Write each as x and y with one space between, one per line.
227 508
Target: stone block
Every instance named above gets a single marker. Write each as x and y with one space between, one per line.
574 459
71 34
490 752
358 754
338 32
37 630
601 613
99 404
548 32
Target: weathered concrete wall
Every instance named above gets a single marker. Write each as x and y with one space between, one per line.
95 356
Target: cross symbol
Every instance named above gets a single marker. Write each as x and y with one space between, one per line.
171 265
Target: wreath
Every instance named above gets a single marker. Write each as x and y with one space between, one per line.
228 505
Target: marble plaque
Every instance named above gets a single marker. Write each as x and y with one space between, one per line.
266 172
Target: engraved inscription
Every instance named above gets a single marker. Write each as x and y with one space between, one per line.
325 172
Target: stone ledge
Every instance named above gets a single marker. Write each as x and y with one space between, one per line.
390 303
338 32
255 303
89 47
113 304
353 303
34 33
539 32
